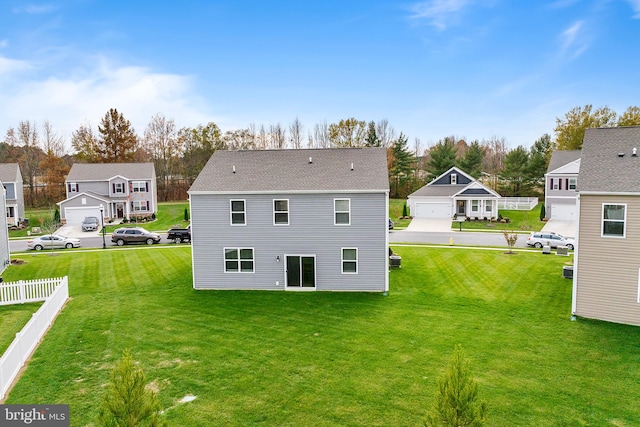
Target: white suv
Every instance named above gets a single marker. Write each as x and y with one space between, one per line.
540 239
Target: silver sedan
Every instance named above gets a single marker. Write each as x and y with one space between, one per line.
52 241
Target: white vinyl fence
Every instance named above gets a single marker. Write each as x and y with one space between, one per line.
55 293
517 203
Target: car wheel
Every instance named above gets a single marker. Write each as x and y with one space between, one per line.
537 245
68 245
149 241
570 246
177 240
38 247
120 242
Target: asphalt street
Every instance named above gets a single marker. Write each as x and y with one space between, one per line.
395 236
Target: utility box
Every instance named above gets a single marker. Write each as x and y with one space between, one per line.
395 261
546 249
567 272
562 250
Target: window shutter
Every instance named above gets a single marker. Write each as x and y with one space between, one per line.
69 187
78 188
567 183
147 205
560 184
132 204
114 187
146 184
551 184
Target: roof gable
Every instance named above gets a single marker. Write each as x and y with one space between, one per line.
560 158
327 170
445 179
572 168
608 164
10 172
106 171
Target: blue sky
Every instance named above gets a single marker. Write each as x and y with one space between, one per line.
475 69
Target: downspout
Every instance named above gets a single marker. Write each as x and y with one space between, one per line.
574 304
386 251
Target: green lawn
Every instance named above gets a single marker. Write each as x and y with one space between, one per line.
518 221
12 320
396 210
333 359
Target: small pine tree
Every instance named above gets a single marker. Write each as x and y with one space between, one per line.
56 216
186 214
127 402
404 211
543 212
456 400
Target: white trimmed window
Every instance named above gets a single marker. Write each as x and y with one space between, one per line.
73 187
238 212
475 205
488 206
349 260
118 187
342 211
139 187
614 218
140 205
281 212
572 183
454 178
238 260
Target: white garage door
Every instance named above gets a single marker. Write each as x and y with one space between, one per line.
564 212
76 215
433 210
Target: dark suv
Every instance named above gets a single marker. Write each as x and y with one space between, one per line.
134 235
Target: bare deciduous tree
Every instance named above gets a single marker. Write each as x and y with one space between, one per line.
295 134
163 144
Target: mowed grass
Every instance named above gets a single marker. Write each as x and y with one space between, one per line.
333 359
12 320
519 221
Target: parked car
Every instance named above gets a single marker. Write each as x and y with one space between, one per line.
90 223
540 239
128 235
51 241
391 224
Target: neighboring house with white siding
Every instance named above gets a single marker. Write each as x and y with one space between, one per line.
11 178
606 279
561 180
5 258
292 220
454 193
122 190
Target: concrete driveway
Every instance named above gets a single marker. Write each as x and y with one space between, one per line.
430 225
75 231
564 228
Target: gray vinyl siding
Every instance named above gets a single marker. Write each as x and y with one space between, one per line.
98 187
11 190
311 231
607 268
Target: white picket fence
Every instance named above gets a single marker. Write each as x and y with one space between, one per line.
55 293
517 203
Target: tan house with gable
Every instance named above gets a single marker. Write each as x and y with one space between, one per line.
606 280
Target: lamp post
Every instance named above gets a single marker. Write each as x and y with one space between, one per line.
104 244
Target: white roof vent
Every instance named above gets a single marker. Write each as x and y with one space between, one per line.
634 152
620 154
310 160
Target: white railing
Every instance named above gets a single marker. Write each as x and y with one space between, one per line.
517 203
28 338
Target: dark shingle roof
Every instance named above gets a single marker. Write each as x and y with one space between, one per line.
602 169
9 172
104 171
560 158
290 170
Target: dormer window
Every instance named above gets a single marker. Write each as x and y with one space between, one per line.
118 187
73 187
454 178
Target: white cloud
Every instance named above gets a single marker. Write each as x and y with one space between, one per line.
68 102
438 12
572 40
11 66
635 5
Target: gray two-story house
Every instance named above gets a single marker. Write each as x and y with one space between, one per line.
292 220
561 181
115 190
11 178
5 257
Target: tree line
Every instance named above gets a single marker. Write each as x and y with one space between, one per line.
179 154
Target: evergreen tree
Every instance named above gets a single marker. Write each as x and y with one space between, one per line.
471 163
456 400
442 157
372 140
127 402
117 141
515 178
401 164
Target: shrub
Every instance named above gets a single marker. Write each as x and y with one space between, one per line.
153 216
186 214
543 212
404 211
127 401
456 399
